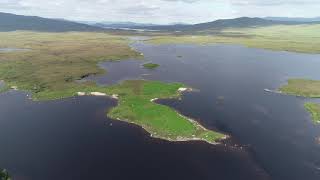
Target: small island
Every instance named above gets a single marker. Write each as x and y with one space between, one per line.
4 175
150 65
305 88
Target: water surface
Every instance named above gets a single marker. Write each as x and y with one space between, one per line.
72 138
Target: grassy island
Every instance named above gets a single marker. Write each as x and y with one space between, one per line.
295 38
54 61
150 65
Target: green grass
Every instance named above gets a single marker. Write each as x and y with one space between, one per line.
135 106
55 60
295 38
314 109
302 87
150 65
4 175
305 88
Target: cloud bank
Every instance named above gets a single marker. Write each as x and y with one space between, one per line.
160 11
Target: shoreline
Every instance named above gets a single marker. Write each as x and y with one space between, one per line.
182 139
214 141
113 96
194 122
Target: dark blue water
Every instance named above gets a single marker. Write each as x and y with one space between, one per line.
72 138
277 129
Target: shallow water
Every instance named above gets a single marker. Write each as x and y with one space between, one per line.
72 138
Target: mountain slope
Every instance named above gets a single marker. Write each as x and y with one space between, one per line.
241 22
296 19
12 22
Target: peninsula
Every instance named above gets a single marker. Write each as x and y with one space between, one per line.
54 62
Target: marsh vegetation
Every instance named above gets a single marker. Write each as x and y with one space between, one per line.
305 88
295 38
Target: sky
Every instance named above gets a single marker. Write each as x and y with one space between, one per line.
160 11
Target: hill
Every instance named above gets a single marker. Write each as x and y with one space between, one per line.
296 19
242 22
12 22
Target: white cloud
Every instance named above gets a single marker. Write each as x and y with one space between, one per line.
160 11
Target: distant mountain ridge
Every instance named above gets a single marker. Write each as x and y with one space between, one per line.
12 22
241 22
294 19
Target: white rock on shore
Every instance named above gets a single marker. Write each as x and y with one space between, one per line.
98 94
81 93
115 96
152 100
14 87
183 89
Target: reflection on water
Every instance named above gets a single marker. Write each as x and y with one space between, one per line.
72 138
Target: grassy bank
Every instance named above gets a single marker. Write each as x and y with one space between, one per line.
53 61
314 110
305 88
136 106
295 38
302 87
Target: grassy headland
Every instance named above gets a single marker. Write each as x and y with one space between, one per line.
302 87
150 65
295 38
136 106
314 110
